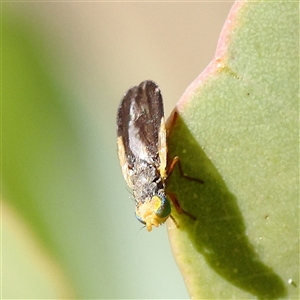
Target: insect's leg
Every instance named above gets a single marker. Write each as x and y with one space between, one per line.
174 220
179 209
173 198
172 166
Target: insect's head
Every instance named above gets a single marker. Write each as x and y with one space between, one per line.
153 212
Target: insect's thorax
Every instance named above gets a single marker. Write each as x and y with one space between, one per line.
147 182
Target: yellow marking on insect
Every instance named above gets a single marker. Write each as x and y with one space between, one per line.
123 161
162 149
148 212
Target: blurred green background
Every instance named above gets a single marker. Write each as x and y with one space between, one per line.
68 227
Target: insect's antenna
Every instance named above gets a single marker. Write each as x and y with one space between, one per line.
140 229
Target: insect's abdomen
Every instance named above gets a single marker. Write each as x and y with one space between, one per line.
146 182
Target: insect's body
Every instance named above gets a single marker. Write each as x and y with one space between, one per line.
142 150
152 206
146 182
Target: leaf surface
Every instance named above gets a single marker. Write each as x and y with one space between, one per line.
237 130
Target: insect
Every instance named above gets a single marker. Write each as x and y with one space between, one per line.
142 150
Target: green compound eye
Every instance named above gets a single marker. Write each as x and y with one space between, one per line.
163 207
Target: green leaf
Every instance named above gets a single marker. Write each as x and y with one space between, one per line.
237 130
